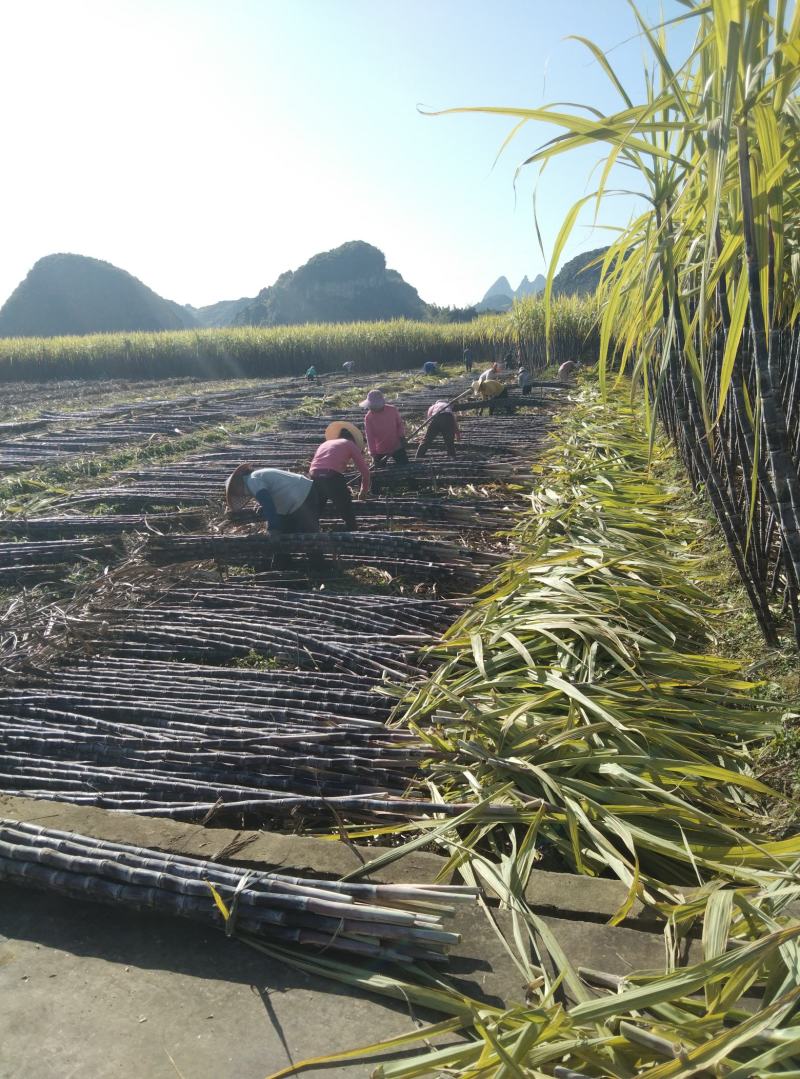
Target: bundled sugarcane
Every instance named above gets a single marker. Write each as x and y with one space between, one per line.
371 920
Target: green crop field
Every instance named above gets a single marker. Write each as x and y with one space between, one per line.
253 352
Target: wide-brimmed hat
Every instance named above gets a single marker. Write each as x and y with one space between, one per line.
236 494
334 430
374 399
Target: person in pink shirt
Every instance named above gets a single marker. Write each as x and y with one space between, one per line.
386 433
441 421
343 444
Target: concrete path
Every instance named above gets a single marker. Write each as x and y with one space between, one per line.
102 993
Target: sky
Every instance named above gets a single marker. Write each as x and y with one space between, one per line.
208 145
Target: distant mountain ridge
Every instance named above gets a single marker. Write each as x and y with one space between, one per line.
74 294
500 296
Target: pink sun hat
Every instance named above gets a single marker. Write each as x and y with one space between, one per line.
373 400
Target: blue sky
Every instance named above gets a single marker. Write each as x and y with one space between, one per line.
208 145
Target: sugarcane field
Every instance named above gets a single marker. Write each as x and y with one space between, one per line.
401 687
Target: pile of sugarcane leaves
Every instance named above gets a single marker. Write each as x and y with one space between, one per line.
579 691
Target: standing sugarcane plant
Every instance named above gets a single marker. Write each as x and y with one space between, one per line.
699 293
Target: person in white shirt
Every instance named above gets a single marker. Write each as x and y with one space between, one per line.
289 501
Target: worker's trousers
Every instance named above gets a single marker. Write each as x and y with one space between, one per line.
400 457
332 487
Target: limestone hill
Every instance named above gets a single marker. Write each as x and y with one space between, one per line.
73 294
351 283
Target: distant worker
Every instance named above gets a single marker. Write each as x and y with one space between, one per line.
467 359
311 374
386 433
348 366
288 501
442 423
524 380
568 370
429 367
343 444
493 393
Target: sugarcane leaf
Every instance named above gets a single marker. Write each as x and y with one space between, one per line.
732 340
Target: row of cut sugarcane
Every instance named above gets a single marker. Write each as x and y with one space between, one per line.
26 445
51 528
394 614
374 548
163 780
192 633
380 921
52 552
202 798
247 694
96 430
176 739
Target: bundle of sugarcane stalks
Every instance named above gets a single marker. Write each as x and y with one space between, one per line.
375 921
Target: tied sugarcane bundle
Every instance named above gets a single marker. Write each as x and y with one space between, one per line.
371 920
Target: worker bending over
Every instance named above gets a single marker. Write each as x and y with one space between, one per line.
567 371
493 393
442 423
490 373
288 501
386 433
343 444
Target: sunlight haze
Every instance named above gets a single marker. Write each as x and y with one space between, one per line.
207 147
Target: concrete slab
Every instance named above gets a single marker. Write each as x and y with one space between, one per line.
99 991
103 993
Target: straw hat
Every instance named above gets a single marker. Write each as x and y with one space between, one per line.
236 493
334 430
374 399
